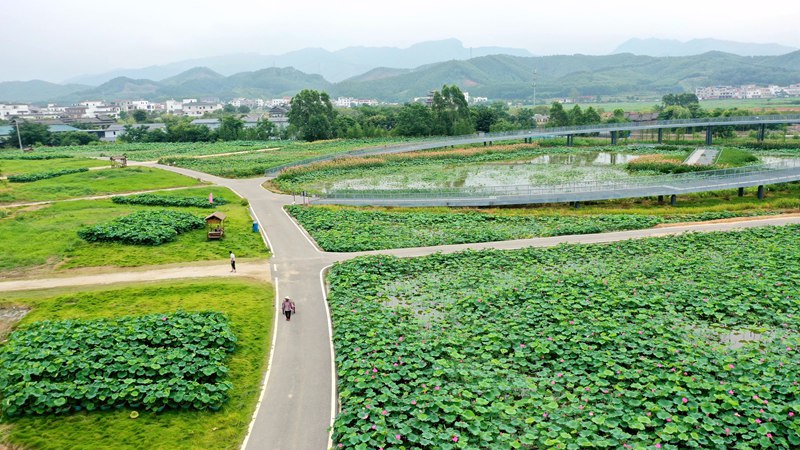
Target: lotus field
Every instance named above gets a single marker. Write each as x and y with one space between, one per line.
143 228
149 362
350 230
634 344
165 200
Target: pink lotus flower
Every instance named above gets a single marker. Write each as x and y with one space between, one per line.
658 445
436 388
374 370
791 414
385 412
685 400
455 438
522 345
398 437
669 419
730 366
730 392
413 402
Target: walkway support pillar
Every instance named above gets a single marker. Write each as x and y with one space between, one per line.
741 192
660 135
762 132
660 199
613 138
570 140
673 199
708 135
761 192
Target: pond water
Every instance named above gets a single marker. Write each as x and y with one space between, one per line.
541 170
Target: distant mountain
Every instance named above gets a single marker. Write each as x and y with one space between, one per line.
334 66
671 47
35 90
203 82
493 76
509 77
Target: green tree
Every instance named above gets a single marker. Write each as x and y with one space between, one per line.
591 116
140 116
134 134
228 109
686 100
229 128
244 109
485 117
451 114
74 138
33 134
312 115
413 119
558 117
576 116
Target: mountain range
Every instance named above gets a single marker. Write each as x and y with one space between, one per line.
671 47
332 65
494 76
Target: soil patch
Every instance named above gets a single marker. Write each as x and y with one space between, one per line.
9 315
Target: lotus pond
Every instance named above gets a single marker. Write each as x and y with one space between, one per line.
624 345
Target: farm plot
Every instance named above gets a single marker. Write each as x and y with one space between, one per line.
96 182
151 151
51 242
254 164
21 165
125 425
632 344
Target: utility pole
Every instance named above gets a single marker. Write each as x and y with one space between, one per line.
19 138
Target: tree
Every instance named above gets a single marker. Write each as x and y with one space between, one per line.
576 116
451 114
34 133
591 116
139 116
230 127
134 134
244 109
686 100
74 138
485 117
228 109
413 119
558 117
312 115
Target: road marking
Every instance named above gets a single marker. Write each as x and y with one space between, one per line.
261 229
274 267
333 354
269 368
303 232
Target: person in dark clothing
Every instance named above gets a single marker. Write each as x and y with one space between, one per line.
288 308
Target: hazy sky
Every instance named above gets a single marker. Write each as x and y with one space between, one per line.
57 39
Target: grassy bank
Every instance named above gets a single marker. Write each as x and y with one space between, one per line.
44 238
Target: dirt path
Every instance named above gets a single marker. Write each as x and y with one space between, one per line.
258 269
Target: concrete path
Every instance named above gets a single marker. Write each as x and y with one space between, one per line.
298 400
246 268
702 157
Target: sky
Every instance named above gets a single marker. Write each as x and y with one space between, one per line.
55 40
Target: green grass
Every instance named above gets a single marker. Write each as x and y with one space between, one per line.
150 151
247 304
20 166
96 182
733 157
45 237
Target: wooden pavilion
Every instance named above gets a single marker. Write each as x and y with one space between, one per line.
216 225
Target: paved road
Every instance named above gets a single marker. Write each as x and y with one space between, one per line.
297 405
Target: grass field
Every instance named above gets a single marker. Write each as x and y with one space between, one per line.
44 238
96 182
19 166
151 151
247 304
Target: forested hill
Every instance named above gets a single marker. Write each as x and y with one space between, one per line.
496 77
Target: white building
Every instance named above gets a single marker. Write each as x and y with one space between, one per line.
173 106
197 109
14 110
133 105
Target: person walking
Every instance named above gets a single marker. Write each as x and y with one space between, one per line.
288 308
233 263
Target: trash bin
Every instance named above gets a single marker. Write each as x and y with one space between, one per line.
255 227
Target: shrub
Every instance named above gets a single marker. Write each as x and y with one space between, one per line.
29 177
161 200
143 228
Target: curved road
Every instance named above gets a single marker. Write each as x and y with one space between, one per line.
298 403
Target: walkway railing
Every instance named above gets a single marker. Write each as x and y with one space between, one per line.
440 142
732 174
